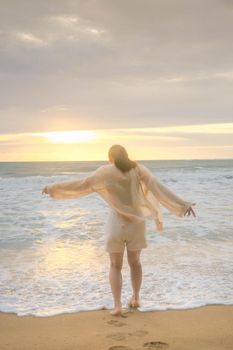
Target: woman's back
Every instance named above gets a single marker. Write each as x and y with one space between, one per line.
122 185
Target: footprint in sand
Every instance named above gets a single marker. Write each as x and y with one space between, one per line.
119 347
116 323
117 336
156 345
139 333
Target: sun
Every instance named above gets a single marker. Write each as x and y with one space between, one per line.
69 136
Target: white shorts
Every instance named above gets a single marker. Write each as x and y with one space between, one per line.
120 233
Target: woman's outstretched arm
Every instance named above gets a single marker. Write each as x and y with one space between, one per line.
74 188
165 196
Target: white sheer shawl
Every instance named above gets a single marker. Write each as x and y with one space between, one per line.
136 195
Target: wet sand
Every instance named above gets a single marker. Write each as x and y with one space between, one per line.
203 328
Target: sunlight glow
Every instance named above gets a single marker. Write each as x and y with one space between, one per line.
69 136
200 141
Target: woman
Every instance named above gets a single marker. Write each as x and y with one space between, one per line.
133 194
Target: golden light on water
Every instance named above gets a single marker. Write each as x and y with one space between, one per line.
62 255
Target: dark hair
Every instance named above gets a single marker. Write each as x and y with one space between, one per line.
120 158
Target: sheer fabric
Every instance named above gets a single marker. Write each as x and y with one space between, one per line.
136 195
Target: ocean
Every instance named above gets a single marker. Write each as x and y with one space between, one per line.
52 257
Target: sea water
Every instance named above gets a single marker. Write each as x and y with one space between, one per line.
52 257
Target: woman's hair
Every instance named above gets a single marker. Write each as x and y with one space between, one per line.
120 158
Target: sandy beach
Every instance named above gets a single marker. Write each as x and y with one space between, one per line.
203 328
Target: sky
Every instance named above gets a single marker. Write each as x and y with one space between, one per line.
153 75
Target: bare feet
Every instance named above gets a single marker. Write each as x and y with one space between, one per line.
117 311
133 302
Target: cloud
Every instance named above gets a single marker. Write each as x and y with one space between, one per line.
56 109
225 75
65 20
29 38
224 128
75 23
201 77
114 64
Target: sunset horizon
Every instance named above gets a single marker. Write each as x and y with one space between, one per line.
174 142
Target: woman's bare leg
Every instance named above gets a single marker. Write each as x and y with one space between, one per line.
136 276
115 278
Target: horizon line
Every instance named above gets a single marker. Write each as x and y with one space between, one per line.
104 160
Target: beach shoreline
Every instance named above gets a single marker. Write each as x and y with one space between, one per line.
205 327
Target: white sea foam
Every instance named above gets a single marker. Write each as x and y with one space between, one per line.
52 258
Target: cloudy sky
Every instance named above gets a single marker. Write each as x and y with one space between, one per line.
153 75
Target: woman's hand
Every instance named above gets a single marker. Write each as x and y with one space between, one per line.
45 190
190 211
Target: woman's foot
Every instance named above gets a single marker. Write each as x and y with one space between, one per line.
117 311
133 303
